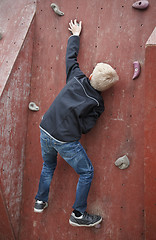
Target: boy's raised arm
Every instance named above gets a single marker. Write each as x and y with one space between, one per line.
72 66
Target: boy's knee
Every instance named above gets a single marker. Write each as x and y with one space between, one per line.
89 175
92 173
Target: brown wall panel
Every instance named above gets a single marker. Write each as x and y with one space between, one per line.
115 33
14 115
150 138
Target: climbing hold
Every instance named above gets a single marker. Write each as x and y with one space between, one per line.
137 69
141 4
33 106
56 9
1 36
122 162
98 226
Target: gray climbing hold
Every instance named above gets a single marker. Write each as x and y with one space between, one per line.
33 107
1 36
56 9
141 4
122 162
137 69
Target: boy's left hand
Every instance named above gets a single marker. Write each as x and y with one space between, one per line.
75 27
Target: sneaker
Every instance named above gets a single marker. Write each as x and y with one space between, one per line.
40 206
85 220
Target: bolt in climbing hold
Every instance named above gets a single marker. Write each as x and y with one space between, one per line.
141 4
1 36
122 162
56 9
33 106
137 69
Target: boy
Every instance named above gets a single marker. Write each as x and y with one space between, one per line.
73 112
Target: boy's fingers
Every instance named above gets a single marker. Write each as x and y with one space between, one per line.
75 22
71 22
73 25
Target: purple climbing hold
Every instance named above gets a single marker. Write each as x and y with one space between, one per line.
137 69
141 4
98 226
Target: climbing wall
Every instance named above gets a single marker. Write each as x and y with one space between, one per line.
15 72
150 138
115 33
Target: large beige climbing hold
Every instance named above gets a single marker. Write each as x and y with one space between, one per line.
56 9
33 106
122 162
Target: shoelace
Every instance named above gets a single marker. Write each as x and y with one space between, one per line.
87 215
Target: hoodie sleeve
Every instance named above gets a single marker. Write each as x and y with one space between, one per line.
72 66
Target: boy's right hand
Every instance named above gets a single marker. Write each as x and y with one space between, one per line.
75 27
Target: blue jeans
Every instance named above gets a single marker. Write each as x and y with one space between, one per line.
74 154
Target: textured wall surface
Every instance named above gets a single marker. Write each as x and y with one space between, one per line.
6 231
150 137
15 72
115 33
15 21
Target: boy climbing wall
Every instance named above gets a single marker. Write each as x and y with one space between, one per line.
74 112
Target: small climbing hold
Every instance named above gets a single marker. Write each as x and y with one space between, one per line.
141 4
122 162
56 9
137 69
98 226
33 106
1 36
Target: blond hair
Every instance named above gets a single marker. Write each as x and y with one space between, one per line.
103 77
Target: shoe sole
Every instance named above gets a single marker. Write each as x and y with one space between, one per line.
40 210
83 225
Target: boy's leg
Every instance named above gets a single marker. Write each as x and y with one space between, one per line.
74 154
49 155
85 170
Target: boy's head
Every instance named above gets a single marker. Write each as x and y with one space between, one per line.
103 77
